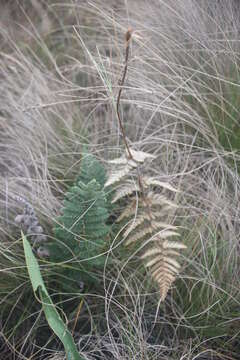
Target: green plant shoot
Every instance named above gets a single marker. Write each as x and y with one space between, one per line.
53 318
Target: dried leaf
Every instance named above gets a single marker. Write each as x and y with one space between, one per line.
155 182
141 156
125 190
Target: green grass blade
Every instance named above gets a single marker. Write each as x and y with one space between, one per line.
53 318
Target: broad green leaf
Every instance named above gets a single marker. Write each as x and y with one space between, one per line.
32 266
53 318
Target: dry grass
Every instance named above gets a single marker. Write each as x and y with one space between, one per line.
57 92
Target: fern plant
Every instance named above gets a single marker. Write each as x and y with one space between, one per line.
91 169
81 232
144 215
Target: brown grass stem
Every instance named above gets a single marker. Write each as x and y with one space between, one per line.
121 83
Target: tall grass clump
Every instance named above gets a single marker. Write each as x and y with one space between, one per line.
38 160
179 105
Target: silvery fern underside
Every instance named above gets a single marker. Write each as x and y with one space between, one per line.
145 216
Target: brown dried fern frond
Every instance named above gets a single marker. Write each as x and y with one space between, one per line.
160 259
127 189
118 174
149 213
139 227
123 166
150 181
158 199
135 223
129 211
139 235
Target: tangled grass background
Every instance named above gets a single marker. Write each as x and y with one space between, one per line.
60 64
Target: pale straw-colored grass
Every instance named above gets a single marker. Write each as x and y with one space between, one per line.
183 73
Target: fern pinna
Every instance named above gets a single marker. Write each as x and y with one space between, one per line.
81 231
144 217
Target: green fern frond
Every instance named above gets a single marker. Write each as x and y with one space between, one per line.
81 232
84 217
91 168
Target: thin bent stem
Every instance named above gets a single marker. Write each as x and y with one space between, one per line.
121 83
